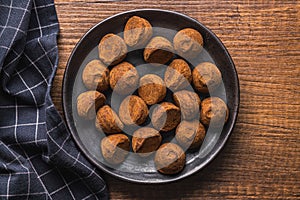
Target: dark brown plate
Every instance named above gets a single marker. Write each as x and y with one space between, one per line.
84 132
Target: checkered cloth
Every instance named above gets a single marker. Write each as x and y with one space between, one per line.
38 159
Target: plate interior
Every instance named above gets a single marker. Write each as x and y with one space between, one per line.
166 24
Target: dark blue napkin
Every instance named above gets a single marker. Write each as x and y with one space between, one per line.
38 159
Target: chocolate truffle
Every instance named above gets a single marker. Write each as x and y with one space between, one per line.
189 104
145 141
169 159
190 134
158 51
137 32
178 75
133 110
152 89
115 148
165 117
95 76
88 103
112 49
108 121
188 43
214 112
206 77
124 78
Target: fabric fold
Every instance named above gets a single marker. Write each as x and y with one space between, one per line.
38 158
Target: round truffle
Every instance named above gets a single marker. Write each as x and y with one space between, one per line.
190 134
188 43
145 141
107 121
115 148
137 32
158 51
189 104
206 77
165 117
133 110
178 75
95 76
152 89
214 112
112 49
88 103
124 78
169 159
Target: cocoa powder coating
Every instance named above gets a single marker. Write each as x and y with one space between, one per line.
178 75
124 78
169 159
88 103
165 117
95 76
152 89
145 141
214 112
112 49
107 121
189 103
206 77
133 110
137 32
115 148
190 134
188 43
158 51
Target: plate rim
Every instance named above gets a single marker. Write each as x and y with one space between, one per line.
198 168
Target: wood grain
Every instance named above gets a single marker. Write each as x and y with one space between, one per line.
262 157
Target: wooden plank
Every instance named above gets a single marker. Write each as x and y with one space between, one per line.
262 157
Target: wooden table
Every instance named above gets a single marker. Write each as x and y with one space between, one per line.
262 157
